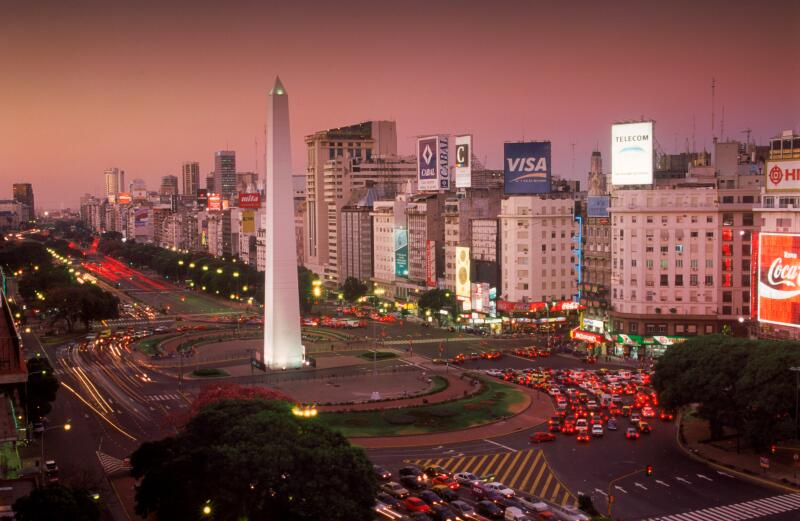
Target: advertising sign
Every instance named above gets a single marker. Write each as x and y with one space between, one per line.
480 297
526 167
430 264
597 206
463 161
202 197
250 200
754 276
462 272
124 198
587 336
444 163
783 176
632 153
141 217
433 163
214 202
401 252
248 221
779 278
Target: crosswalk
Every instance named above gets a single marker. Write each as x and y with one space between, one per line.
525 470
162 397
740 511
111 464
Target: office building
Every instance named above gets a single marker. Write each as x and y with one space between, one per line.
225 173
169 185
114 182
190 178
23 192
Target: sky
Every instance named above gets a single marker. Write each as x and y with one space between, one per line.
145 85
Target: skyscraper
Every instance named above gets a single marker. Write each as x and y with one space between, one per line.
114 181
169 185
225 172
282 342
23 193
190 176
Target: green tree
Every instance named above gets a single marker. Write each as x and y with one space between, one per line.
353 289
305 287
56 503
41 387
435 300
253 459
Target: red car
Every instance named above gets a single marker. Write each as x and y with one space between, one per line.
445 480
584 436
540 437
631 433
666 416
415 504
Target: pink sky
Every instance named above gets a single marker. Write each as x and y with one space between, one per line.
145 86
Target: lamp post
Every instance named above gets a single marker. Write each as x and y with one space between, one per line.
67 427
796 371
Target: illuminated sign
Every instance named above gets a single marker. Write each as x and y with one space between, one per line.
248 221
783 176
463 161
462 272
779 279
214 202
202 197
526 167
401 252
250 200
632 153
124 198
430 264
587 336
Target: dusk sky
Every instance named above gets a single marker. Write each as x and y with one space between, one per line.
146 85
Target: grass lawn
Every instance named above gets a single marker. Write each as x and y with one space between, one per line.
380 355
492 402
148 345
439 384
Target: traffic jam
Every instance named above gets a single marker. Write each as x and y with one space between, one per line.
590 403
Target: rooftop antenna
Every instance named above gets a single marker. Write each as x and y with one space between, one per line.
694 128
713 92
747 132
255 153
722 125
572 167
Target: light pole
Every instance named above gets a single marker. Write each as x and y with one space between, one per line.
796 371
67 426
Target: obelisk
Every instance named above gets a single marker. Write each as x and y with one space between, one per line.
283 347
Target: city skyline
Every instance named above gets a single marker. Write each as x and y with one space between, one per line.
142 101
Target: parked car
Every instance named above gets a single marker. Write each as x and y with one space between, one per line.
612 424
387 499
462 508
381 473
496 486
489 509
445 492
442 513
395 489
466 478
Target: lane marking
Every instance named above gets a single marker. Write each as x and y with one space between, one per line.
640 486
704 477
662 483
501 445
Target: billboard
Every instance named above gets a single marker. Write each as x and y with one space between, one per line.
632 153
124 198
480 296
597 206
430 264
433 163
462 272
779 278
214 202
202 197
783 176
463 161
250 200
526 167
141 217
248 221
401 252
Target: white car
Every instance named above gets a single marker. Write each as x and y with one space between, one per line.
496 486
597 430
466 478
494 373
581 424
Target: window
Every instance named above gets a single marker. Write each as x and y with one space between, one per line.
709 329
709 235
694 219
746 235
633 263
709 263
648 249
747 218
727 296
746 281
693 280
709 281
679 248
649 264
649 219
745 310
745 264
747 199
726 310
727 264
727 280
679 263
664 248
709 219
679 280
664 219
664 281
663 264
692 329
680 328
727 234
727 199
633 327
745 250
693 234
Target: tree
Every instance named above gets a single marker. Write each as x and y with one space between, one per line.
56 503
353 289
253 459
305 287
41 388
435 300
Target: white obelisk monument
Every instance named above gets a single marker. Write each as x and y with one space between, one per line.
282 343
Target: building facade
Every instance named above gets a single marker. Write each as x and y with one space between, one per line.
190 178
225 173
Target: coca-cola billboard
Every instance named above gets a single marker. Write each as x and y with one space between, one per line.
250 200
783 176
779 278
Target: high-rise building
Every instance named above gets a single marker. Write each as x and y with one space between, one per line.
282 342
387 216
169 185
225 173
362 142
23 192
114 181
210 183
190 176
596 283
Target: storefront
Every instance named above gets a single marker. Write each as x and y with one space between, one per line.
594 342
636 347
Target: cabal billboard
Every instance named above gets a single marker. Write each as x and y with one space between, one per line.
433 163
526 167
779 278
632 153
463 161
783 176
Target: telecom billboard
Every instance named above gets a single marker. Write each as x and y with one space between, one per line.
401 252
433 163
632 153
779 278
463 161
783 176
526 167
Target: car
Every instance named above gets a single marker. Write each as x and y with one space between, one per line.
411 470
435 470
612 424
626 411
395 489
446 481
480 492
648 412
489 509
415 504
442 513
570 513
635 417
583 436
597 430
631 433
462 508
666 415
581 424
430 497
51 471
540 437
496 486
381 473
445 492
417 516
644 427
412 482
387 499
466 478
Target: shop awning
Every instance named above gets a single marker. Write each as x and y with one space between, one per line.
669 340
630 340
586 336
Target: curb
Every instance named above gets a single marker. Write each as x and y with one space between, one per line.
698 457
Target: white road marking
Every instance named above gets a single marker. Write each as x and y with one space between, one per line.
724 474
678 478
662 483
640 486
501 445
739 511
620 489
704 477
601 492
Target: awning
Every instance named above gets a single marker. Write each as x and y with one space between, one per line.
630 340
669 340
586 336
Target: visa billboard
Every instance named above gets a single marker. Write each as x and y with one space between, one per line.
632 153
433 163
526 167
597 206
783 176
463 161
779 278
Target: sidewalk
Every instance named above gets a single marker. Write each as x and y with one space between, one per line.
746 463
